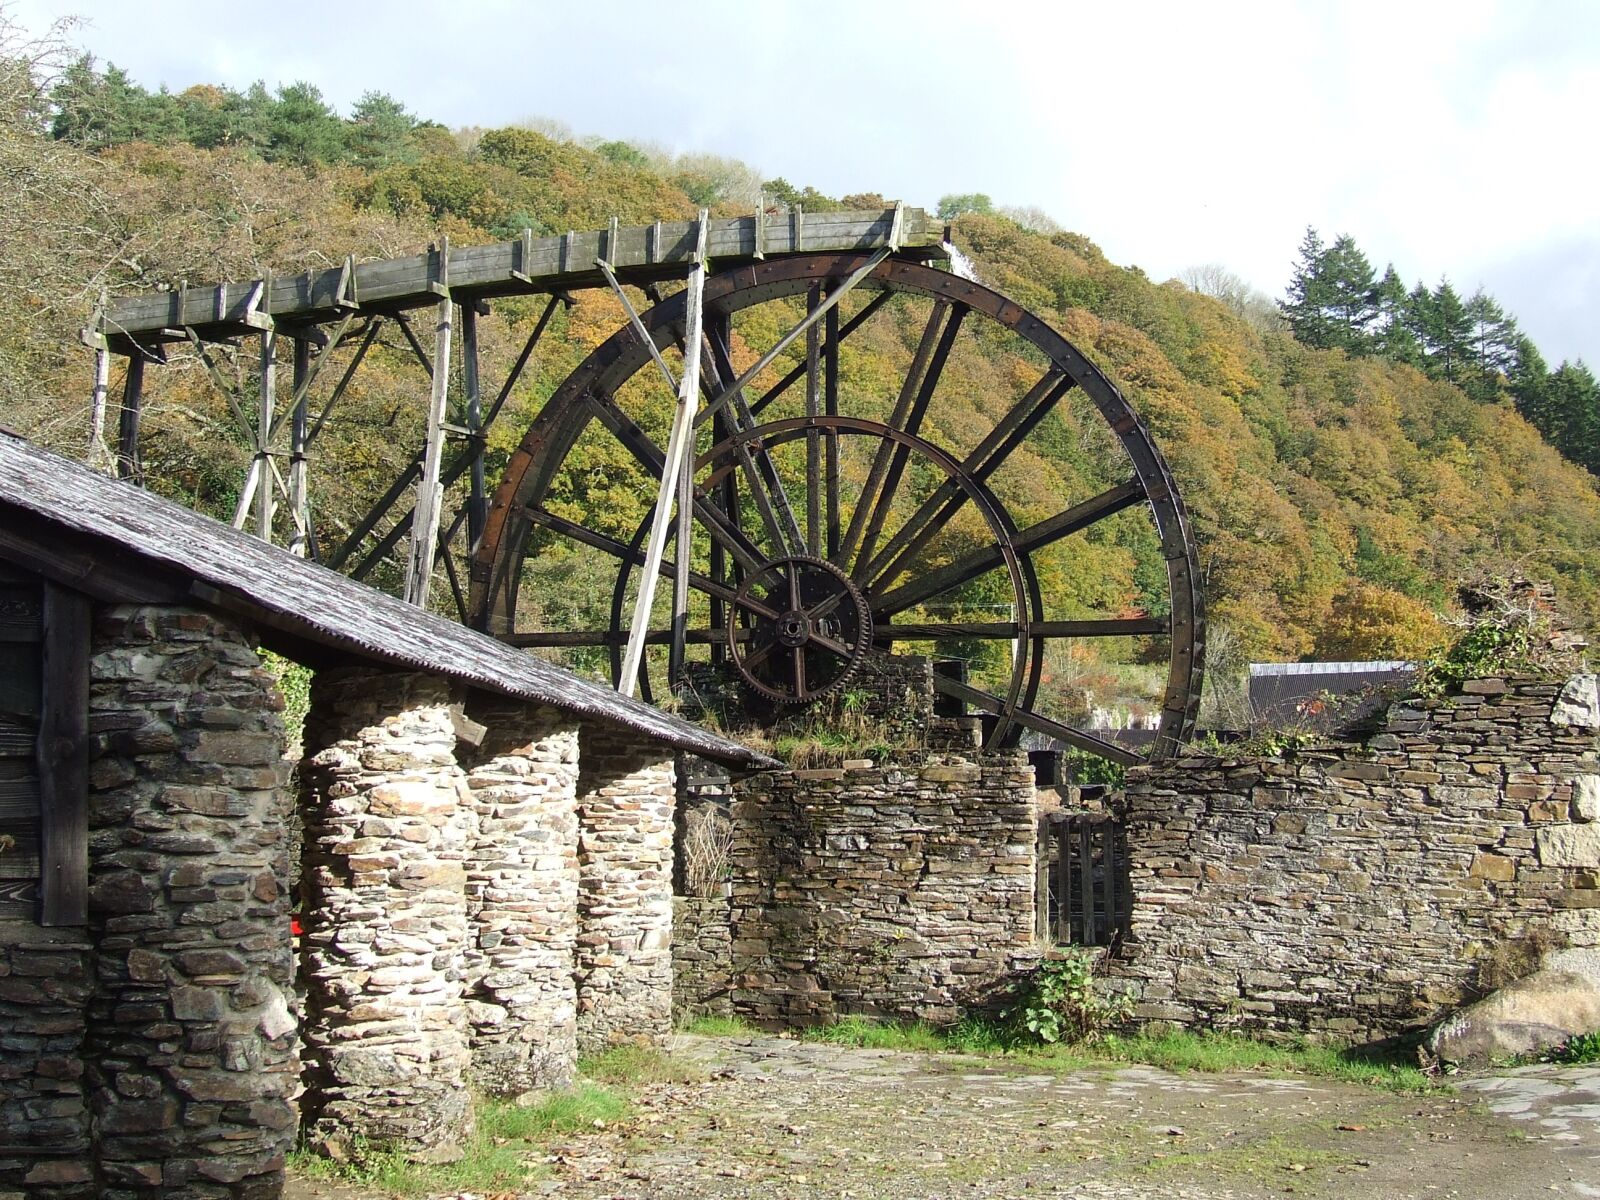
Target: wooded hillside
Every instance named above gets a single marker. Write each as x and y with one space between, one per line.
1338 489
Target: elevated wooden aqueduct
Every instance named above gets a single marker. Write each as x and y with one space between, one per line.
792 575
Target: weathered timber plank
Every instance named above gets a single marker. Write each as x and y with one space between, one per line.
555 263
64 760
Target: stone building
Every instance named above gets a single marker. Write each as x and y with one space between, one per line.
486 868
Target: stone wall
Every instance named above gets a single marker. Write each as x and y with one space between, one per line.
903 889
191 1053
1362 889
702 956
46 977
626 793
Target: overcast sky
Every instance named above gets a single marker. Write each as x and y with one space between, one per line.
1454 138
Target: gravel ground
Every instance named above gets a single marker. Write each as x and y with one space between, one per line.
777 1118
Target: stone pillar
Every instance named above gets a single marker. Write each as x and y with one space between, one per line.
626 791
522 899
385 915
192 1054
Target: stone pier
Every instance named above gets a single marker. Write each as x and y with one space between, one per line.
191 1052
522 899
386 839
626 792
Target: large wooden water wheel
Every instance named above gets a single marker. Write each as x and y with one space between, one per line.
832 516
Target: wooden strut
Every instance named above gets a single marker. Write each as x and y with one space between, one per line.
430 490
675 482
299 497
99 455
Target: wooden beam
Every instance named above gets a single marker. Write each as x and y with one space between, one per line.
526 265
64 760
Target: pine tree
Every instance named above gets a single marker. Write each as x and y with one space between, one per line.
1493 340
1306 301
1350 295
1393 337
1444 328
1572 399
378 133
302 129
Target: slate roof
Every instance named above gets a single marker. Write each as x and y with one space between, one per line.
315 604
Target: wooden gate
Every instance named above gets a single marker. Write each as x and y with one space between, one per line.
1083 896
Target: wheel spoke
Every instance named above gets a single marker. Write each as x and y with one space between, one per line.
940 508
1010 630
969 567
631 554
643 448
800 689
880 460
912 425
830 347
1031 720
766 489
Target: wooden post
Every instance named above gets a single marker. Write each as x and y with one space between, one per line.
1086 878
299 497
64 760
128 465
478 498
430 492
267 401
813 444
679 443
98 454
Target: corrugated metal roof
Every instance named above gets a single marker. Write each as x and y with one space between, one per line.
318 604
1331 668
1323 695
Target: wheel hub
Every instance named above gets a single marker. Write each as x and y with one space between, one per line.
798 629
794 629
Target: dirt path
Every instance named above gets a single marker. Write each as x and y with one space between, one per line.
779 1118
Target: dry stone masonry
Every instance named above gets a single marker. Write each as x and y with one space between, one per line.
522 900
386 841
1361 889
191 1054
903 889
627 788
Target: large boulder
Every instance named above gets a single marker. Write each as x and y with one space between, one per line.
1542 1010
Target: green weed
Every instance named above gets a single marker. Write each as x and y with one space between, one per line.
880 1035
634 1066
719 1026
506 1150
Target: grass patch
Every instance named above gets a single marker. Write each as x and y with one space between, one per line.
507 1149
710 1026
1271 1157
880 1035
1204 1053
1211 1053
635 1066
